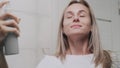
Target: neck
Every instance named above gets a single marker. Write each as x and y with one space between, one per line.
78 45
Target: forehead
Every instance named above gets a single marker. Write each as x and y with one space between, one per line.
77 7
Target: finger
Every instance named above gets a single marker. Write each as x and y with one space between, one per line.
2 3
3 31
6 29
9 16
11 23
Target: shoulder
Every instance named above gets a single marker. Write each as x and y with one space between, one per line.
115 59
49 62
112 57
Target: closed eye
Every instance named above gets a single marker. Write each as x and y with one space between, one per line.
68 17
69 14
82 15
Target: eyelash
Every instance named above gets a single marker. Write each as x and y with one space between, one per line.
69 17
82 15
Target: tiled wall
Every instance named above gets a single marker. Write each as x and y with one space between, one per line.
39 24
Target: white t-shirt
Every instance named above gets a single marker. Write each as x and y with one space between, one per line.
71 61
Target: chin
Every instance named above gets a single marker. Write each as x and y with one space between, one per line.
78 33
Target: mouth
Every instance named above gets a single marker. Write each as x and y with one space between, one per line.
76 26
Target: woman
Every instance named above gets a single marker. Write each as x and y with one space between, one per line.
78 41
4 29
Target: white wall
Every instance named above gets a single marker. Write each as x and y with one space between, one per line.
39 24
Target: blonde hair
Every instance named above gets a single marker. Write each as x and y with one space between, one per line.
101 57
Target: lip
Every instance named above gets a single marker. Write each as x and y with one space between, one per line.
76 26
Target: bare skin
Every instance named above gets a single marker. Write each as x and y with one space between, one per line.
76 26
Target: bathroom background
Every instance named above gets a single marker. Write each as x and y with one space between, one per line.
39 27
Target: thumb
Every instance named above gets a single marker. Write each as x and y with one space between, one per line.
2 3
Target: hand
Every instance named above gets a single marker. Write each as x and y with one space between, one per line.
8 25
2 3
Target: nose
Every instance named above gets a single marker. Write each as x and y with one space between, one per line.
76 19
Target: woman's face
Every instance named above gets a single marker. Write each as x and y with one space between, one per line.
77 20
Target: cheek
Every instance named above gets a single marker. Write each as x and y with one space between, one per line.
87 25
87 22
67 21
65 27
